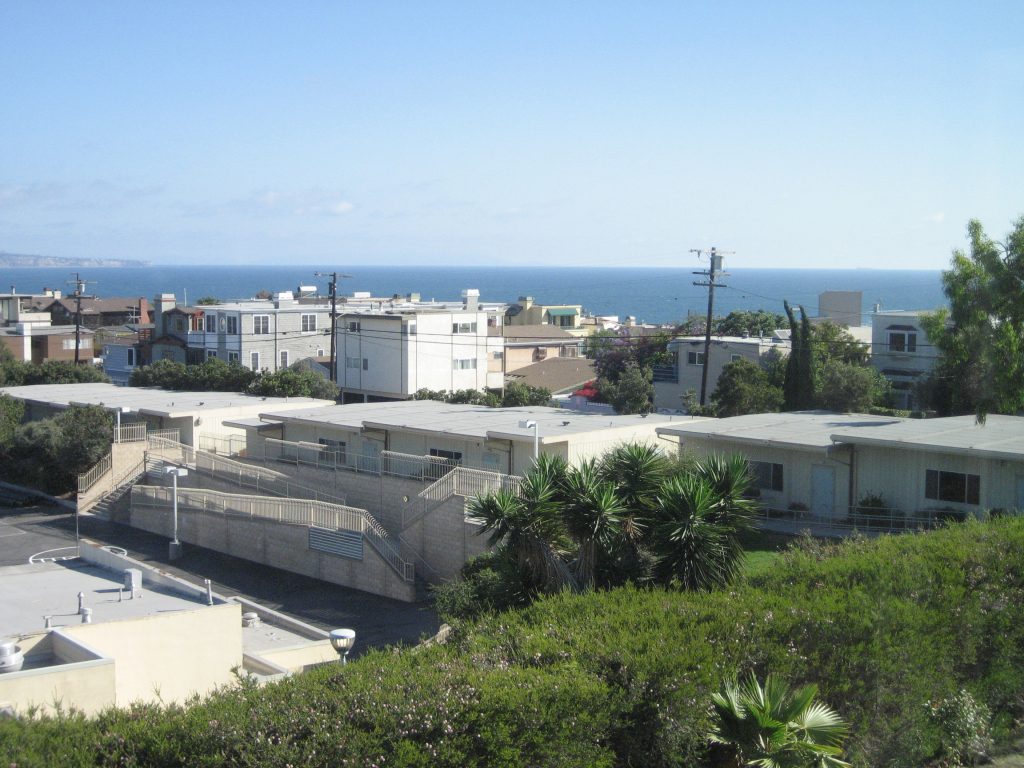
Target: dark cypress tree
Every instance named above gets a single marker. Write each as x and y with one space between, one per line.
790 385
806 363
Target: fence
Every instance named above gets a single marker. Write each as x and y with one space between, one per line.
305 512
470 482
227 445
329 456
134 432
867 519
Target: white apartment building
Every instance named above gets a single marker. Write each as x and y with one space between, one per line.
390 354
901 351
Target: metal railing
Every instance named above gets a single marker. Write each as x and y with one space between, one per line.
305 512
90 477
173 435
134 432
228 445
462 481
391 463
867 519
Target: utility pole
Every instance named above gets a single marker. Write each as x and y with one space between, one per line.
333 293
79 284
713 271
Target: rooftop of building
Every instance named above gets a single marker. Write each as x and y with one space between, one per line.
464 421
539 331
147 401
799 429
557 374
999 437
43 330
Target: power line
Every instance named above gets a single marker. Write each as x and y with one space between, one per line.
713 270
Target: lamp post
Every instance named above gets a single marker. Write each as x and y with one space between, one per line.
174 548
117 416
532 424
343 640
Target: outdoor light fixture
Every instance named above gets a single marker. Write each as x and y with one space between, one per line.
531 424
174 548
343 640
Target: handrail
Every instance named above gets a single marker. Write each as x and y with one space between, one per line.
882 519
90 477
133 432
306 512
375 533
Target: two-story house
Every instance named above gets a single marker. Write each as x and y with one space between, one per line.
684 374
901 351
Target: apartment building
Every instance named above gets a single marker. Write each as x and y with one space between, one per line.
568 317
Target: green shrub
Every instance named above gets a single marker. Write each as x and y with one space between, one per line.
623 677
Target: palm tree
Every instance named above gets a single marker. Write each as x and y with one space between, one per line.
592 512
525 523
773 727
690 536
729 478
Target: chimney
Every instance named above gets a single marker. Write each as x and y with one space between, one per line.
471 299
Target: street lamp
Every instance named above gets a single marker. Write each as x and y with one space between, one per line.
532 424
174 548
343 640
117 428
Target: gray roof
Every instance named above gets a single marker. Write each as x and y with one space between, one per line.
547 332
463 421
807 430
155 402
1000 437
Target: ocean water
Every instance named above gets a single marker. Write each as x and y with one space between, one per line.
653 295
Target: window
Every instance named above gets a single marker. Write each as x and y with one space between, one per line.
767 476
211 323
468 364
319 352
952 486
211 353
366 364
409 329
734 358
284 358
695 358
498 355
131 357
232 324
333 451
179 324
308 323
254 361
453 456
222 323
902 341
232 357
352 362
354 327
261 324
463 327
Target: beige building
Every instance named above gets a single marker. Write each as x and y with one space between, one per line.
568 317
110 631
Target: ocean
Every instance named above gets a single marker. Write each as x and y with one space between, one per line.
652 295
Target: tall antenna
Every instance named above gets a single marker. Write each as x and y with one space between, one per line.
79 284
333 288
714 270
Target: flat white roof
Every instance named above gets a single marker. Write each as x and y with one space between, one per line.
807 430
465 421
1000 437
154 402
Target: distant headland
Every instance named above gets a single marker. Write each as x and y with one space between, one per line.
24 260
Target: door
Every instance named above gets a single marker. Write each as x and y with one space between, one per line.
823 491
369 460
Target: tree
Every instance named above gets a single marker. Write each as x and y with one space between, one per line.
830 341
86 432
592 513
293 382
12 411
632 392
753 323
212 375
798 389
743 387
206 301
980 339
851 388
518 394
775 727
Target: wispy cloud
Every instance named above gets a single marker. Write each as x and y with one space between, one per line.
12 195
935 218
277 202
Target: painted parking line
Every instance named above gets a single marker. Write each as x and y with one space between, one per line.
10 532
49 556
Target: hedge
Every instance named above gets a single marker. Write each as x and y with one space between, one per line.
622 677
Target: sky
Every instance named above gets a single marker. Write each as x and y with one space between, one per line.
824 135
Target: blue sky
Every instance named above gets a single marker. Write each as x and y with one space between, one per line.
611 134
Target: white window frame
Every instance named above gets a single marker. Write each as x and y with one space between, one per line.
282 359
353 362
464 364
233 357
211 324
307 322
767 475
261 325
232 325
466 327
211 353
694 358
254 361
905 342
